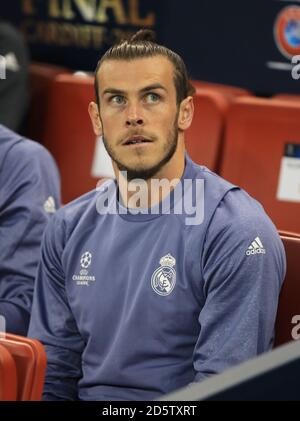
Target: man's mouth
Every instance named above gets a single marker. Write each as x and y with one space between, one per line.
136 140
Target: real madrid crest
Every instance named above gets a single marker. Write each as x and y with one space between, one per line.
164 278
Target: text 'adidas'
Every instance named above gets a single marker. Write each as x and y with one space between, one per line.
256 248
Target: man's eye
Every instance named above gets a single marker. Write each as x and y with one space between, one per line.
117 99
152 98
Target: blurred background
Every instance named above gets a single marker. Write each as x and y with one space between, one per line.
243 58
247 44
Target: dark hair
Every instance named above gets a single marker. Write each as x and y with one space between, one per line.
141 45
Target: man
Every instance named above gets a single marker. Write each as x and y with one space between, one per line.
29 193
14 84
111 331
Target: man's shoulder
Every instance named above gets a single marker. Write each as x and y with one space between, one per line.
83 210
229 194
232 205
30 151
19 151
239 216
215 188
214 181
8 139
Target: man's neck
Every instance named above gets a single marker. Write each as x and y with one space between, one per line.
147 194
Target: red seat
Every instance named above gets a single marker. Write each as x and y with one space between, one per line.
30 361
204 138
227 90
69 134
289 234
42 76
8 376
257 133
287 97
289 303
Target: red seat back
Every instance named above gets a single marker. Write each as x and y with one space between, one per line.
257 133
227 90
288 314
204 138
287 97
30 360
69 134
8 376
42 76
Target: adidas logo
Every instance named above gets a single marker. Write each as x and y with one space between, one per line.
256 248
49 205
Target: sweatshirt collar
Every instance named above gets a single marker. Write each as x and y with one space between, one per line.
162 208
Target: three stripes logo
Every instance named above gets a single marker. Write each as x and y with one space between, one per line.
256 248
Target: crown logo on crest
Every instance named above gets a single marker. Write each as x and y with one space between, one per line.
168 261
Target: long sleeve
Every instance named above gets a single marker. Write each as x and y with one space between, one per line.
52 321
243 269
28 179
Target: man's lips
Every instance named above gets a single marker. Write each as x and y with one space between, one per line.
136 140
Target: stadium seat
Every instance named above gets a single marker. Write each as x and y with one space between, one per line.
30 362
227 90
257 134
8 376
286 97
69 134
41 76
289 234
204 138
288 314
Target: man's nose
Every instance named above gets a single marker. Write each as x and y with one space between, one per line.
134 116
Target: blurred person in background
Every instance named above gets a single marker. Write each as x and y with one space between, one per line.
14 84
29 196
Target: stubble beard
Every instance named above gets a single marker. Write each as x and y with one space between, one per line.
147 173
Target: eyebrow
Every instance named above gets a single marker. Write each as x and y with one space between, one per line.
143 90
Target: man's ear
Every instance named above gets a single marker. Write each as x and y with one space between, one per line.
95 118
186 113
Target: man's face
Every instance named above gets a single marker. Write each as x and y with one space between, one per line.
139 114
